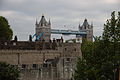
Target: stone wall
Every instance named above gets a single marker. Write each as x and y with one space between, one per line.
31 61
27 57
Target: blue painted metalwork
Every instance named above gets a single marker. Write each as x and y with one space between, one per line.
68 32
33 36
40 35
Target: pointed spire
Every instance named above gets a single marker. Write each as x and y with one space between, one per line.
85 20
91 24
43 21
36 22
79 27
42 15
49 22
85 23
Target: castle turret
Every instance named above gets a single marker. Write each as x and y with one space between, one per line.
43 30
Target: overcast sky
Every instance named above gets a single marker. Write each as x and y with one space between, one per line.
22 14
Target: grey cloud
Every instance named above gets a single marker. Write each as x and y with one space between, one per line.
61 12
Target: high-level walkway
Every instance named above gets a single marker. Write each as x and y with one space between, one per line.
68 32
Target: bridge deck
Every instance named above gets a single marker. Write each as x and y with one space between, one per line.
68 32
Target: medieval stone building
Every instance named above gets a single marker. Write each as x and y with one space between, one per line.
53 60
44 59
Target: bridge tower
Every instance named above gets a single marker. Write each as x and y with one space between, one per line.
89 28
43 30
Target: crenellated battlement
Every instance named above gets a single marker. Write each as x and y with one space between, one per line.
29 45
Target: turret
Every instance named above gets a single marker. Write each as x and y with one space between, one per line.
91 24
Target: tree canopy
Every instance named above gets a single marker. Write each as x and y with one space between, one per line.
101 59
112 28
8 72
6 32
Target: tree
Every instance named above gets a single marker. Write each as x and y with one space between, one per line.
8 72
112 28
101 58
96 62
6 32
111 34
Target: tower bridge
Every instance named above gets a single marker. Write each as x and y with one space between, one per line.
44 31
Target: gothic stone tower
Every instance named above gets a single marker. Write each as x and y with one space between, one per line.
89 28
43 30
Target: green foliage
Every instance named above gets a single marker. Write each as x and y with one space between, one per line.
7 72
5 30
112 28
98 61
101 58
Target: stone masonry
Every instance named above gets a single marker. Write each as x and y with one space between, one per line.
40 61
